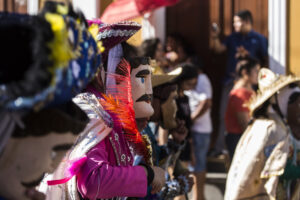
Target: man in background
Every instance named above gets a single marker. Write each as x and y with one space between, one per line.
243 42
200 101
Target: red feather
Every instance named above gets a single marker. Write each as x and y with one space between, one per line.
119 102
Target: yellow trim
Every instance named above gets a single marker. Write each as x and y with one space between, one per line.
136 39
63 10
294 37
94 30
61 50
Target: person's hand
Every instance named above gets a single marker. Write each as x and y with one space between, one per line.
215 31
159 179
178 137
188 179
172 56
181 127
241 52
180 132
191 182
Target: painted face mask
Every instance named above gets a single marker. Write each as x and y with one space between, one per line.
32 157
36 150
165 94
141 88
169 109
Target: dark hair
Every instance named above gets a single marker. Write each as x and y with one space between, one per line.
261 112
133 56
129 51
51 6
294 97
180 41
67 118
246 64
177 37
245 15
162 92
149 47
135 62
195 60
189 71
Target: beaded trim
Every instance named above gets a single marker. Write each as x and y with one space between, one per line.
115 150
128 24
115 33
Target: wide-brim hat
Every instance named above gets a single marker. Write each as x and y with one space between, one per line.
24 56
159 78
112 34
62 59
269 83
47 59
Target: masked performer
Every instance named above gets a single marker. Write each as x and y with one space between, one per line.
164 104
262 154
47 60
178 182
99 166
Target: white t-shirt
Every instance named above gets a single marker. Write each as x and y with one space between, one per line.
202 91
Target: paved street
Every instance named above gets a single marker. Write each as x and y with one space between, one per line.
216 179
214 189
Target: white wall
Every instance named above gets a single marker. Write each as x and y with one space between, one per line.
277 35
88 7
154 25
32 7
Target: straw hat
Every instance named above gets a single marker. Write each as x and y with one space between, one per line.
269 83
159 77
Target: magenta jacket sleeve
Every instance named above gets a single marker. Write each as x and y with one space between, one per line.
98 178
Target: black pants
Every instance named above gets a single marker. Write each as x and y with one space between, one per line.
232 140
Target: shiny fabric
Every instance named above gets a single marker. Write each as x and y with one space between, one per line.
107 172
97 129
259 160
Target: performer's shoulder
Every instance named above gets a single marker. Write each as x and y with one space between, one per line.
90 104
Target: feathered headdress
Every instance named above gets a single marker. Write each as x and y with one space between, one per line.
118 101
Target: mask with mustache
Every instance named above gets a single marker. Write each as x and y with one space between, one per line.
142 90
146 97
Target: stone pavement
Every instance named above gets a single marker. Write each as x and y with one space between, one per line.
216 178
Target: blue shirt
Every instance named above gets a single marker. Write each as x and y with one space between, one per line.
255 43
